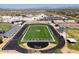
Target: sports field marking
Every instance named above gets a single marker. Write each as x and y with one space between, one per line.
51 34
48 36
25 33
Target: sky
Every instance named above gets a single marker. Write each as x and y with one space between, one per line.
23 6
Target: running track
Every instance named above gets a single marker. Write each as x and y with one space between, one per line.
13 45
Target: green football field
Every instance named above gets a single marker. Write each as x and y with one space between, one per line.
38 32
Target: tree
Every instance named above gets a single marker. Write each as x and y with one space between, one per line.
1 40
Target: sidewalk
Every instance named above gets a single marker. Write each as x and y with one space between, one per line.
8 51
5 41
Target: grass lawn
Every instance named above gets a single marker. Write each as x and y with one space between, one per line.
74 32
33 31
37 32
5 26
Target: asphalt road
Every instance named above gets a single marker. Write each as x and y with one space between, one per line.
60 44
13 45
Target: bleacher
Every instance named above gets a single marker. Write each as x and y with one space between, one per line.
12 31
60 29
37 40
50 18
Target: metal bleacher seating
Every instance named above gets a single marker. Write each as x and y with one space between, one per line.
12 31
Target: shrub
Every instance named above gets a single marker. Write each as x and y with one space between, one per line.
1 40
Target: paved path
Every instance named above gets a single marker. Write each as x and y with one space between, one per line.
13 45
60 45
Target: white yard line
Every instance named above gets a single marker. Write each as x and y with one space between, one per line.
51 34
38 25
25 33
